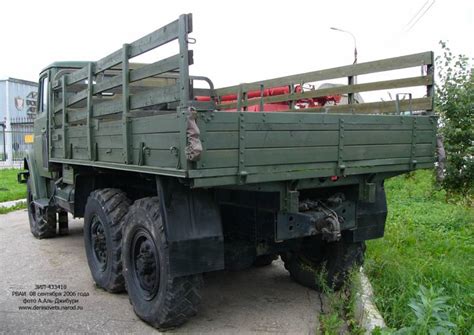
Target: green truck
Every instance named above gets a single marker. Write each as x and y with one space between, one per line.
175 178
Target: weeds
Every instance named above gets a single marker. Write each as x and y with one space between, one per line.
338 318
428 242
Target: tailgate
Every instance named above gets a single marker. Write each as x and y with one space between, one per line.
285 146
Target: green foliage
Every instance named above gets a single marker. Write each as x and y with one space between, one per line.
427 242
338 315
10 189
455 106
430 315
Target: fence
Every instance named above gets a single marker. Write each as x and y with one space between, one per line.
15 142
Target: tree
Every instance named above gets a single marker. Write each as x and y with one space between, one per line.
455 107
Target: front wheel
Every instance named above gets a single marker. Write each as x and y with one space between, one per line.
42 220
324 265
157 298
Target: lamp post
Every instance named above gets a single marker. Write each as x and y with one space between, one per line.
354 39
352 80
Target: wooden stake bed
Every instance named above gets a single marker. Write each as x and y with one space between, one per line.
120 115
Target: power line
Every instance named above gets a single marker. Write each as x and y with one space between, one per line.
410 27
418 12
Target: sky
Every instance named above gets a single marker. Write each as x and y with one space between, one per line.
237 41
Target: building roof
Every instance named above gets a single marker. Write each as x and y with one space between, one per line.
20 81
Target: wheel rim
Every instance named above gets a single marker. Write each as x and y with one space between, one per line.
145 264
99 243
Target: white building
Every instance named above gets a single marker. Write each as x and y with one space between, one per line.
17 109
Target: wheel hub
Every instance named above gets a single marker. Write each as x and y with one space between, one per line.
146 266
99 243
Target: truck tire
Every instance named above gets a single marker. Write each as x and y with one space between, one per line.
42 221
157 298
330 263
103 218
264 260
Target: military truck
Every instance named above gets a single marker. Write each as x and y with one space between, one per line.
175 178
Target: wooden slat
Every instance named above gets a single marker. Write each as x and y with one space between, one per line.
152 141
301 118
149 70
157 68
316 155
155 96
76 76
281 139
141 100
338 90
151 41
374 107
425 58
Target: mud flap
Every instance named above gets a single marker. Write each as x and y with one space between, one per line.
193 229
370 219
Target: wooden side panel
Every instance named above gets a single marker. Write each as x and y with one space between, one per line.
152 139
295 141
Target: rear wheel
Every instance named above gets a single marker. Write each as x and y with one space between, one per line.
327 265
103 217
42 220
157 298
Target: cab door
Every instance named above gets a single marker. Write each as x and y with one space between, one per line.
41 152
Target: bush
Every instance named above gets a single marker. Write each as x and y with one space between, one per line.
455 107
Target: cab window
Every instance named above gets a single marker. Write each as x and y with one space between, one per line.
43 95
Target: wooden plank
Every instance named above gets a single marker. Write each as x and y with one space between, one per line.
76 76
129 168
229 127
281 139
158 158
270 139
301 117
149 70
151 141
338 90
380 107
157 68
155 124
261 174
425 58
57 152
151 41
145 99
164 141
154 97
253 157
294 155
76 131
366 152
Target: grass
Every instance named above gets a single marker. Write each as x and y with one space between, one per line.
338 317
5 210
428 247
10 189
